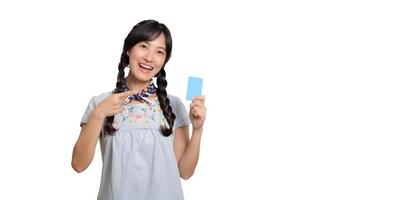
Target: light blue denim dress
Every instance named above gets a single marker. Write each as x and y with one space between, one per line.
138 161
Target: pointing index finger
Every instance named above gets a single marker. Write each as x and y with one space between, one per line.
123 95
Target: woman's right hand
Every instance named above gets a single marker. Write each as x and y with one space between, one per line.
112 105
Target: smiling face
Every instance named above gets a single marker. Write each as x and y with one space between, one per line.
146 58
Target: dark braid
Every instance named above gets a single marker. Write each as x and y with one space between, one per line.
120 86
164 102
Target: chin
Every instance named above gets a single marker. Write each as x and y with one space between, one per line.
144 78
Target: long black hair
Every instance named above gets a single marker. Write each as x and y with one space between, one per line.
146 30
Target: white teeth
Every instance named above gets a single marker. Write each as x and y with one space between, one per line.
146 67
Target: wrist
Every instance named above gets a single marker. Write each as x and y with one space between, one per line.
197 130
98 115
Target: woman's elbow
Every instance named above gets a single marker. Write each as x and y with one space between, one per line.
186 176
76 167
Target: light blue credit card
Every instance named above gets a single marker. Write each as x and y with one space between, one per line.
195 85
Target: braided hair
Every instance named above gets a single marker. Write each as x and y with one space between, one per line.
146 30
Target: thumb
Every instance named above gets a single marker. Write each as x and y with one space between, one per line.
201 98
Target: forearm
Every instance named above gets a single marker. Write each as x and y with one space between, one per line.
84 149
190 157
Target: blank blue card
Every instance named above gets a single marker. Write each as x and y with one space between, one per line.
194 87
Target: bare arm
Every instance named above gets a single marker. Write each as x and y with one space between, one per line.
187 151
84 148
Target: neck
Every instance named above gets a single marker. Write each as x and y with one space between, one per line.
136 86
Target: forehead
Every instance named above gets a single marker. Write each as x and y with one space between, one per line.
158 42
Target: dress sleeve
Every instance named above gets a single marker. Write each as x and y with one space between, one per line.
182 116
88 111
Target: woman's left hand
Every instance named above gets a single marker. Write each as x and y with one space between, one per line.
197 112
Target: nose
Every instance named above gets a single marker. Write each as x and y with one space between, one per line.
149 56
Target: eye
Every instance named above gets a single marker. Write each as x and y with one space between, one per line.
144 46
161 53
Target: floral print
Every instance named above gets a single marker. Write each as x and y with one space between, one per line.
142 115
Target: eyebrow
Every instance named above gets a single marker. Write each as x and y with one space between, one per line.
164 49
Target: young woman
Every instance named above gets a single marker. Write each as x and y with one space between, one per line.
143 131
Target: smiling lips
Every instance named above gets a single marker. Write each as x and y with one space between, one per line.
145 68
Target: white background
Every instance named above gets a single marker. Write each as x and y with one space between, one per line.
300 94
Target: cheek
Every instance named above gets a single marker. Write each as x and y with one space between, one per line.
160 61
136 54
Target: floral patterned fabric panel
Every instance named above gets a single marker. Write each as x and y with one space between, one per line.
142 115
